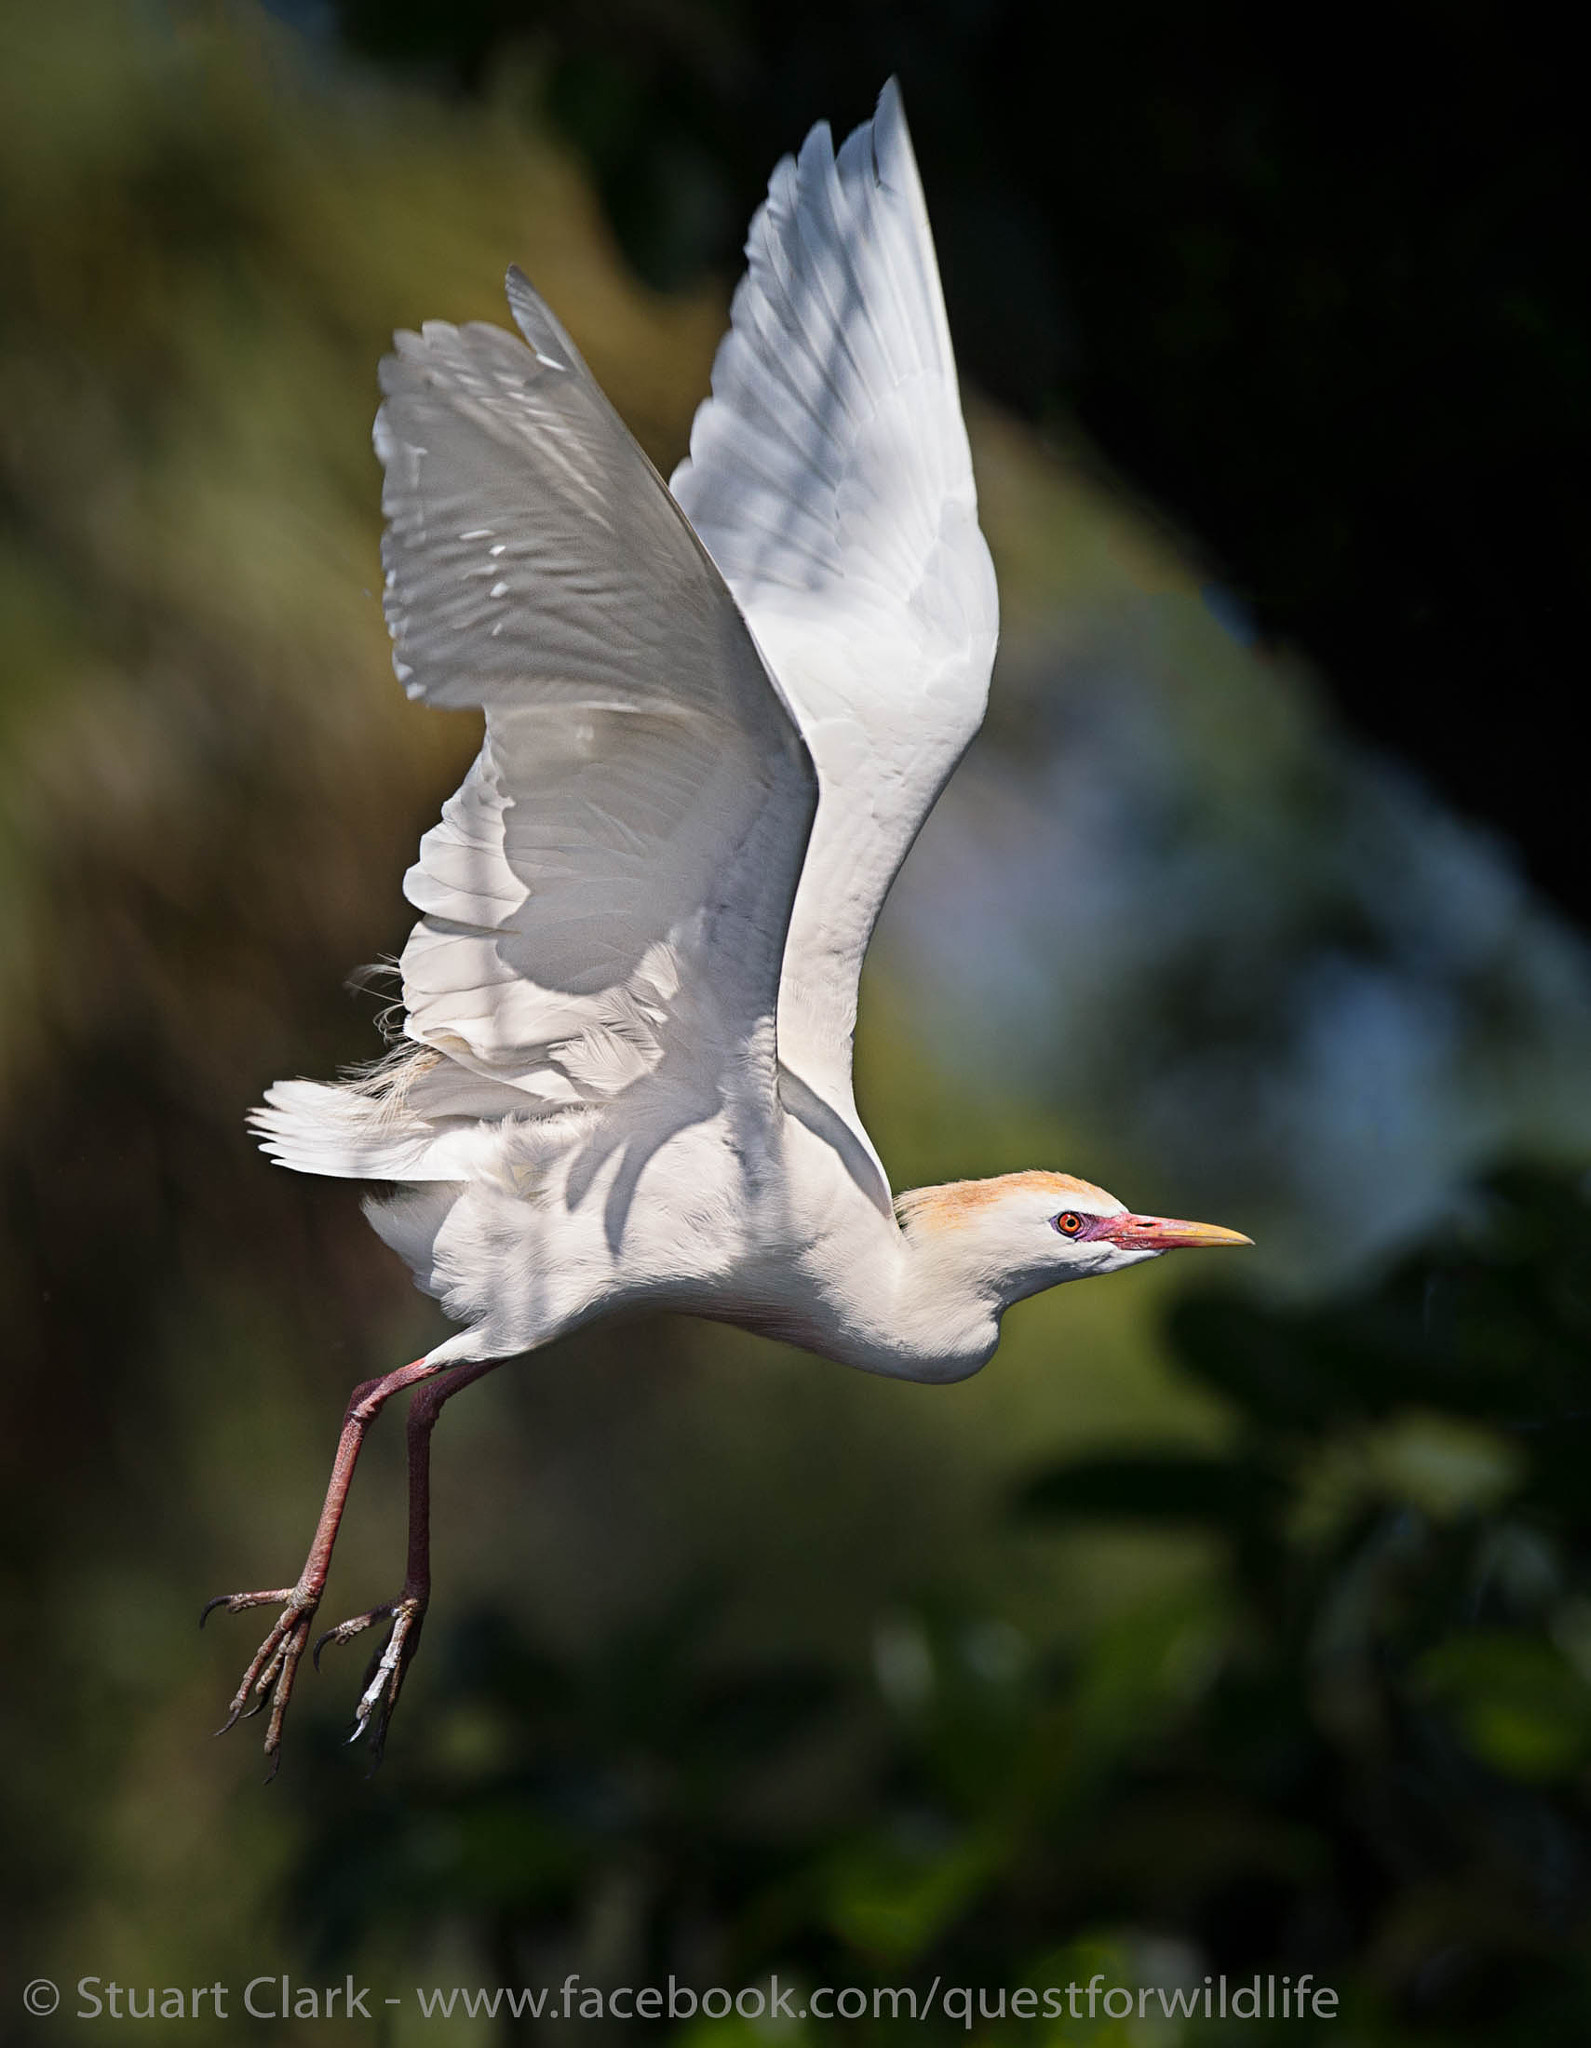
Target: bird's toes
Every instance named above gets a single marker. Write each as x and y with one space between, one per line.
240 1603
268 1682
345 1631
385 1674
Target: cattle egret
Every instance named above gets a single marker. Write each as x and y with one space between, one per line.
717 713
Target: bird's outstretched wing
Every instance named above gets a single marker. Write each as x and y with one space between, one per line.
612 883
830 479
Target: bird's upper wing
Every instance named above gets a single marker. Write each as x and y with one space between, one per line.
612 883
830 479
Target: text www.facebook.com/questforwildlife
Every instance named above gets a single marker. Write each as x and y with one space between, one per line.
277 1997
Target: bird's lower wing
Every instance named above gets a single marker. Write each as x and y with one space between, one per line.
611 886
830 478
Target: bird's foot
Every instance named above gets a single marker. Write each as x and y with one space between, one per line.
385 1673
268 1682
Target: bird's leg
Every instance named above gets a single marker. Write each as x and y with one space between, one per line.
384 1676
269 1678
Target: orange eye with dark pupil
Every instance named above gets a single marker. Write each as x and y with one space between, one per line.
1069 1223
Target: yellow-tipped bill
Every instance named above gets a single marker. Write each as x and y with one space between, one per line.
1164 1233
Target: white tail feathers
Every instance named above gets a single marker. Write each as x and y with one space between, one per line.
316 1128
417 1117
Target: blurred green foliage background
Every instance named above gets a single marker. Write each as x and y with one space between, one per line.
1204 1633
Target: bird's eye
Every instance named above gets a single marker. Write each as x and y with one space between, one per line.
1068 1223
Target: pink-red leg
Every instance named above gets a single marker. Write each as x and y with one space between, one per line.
383 1679
269 1678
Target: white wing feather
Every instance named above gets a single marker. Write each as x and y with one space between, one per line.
830 479
612 883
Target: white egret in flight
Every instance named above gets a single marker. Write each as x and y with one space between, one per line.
717 713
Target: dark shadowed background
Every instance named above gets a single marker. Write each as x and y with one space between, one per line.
1232 1622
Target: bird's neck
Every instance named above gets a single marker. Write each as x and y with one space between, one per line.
913 1308
947 1308
910 1303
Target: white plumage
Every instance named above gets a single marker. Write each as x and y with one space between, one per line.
717 713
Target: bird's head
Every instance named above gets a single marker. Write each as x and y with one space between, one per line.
1026 1231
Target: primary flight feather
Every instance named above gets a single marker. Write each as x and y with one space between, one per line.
717 713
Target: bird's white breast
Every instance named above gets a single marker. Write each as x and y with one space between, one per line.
717 1214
